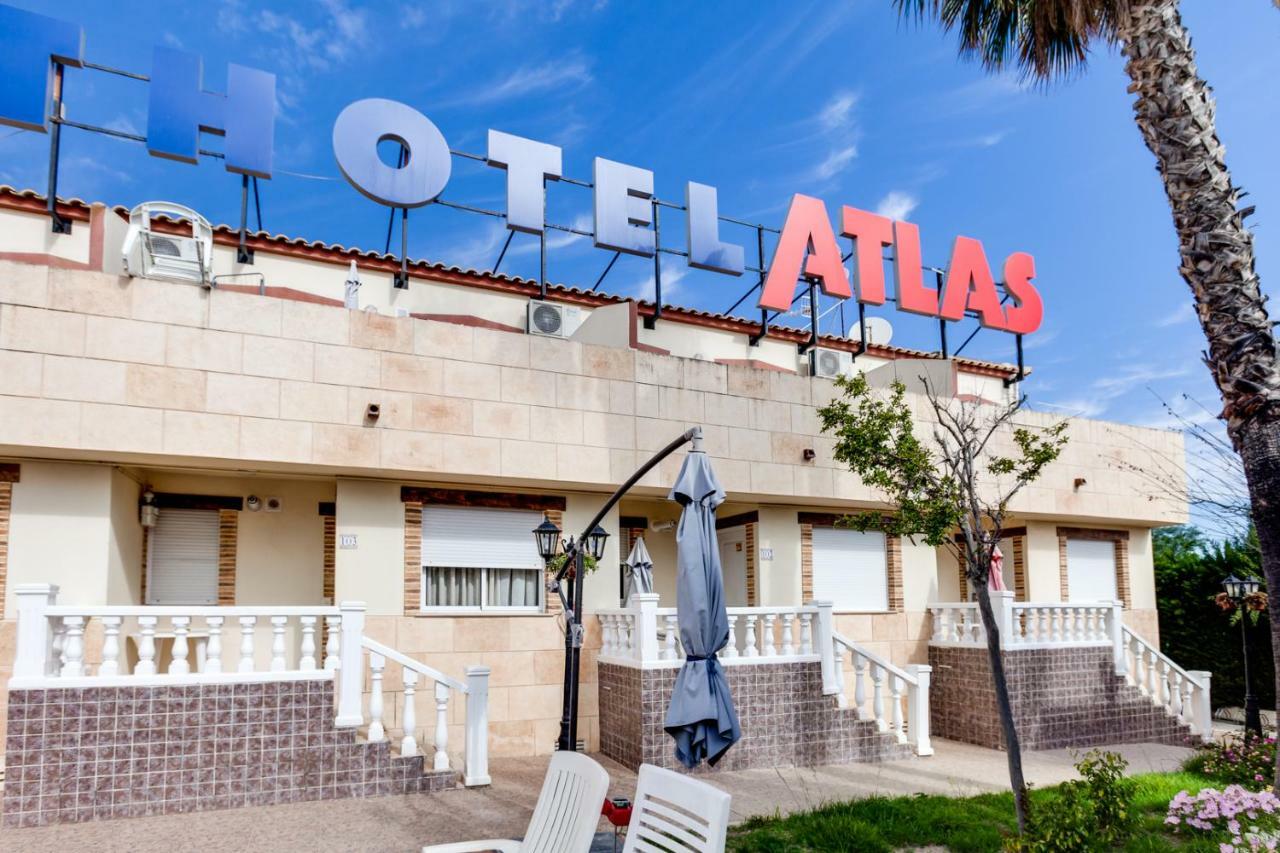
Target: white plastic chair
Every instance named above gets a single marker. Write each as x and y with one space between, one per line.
565 818
676 813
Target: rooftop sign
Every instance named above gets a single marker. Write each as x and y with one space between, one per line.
624 205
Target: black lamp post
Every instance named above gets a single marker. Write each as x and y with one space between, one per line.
1238 589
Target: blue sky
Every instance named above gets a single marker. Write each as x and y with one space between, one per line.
761 100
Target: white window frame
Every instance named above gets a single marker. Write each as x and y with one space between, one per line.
149 599
484 608
844 607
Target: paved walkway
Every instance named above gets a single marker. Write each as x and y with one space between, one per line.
502 810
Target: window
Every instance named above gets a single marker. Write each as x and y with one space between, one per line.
1091 570
182 557
480 559
850 568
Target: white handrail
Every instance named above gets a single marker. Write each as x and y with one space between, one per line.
646 635
872 656
415 665
97 611
1184 694
910 684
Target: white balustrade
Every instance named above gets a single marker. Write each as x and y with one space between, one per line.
646 635
1184 694
1023 624
907 716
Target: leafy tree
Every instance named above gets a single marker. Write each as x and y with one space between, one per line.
1194 631
961 480
1174 110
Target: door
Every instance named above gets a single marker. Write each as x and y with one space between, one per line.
733 565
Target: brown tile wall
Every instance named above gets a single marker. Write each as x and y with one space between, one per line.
6 502
786 720
1068 697
93 753
228 537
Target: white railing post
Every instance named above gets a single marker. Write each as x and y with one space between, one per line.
1002 609
1118 643
213 652
441 760
826 646
110 645
1203 710
146 646
178 663
377 732
35 634
409 717
645 639
918 709
351 665
476 761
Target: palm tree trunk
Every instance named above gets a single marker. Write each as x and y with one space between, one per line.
1175 113
1012 746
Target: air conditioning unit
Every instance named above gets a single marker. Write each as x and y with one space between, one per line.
156 254
553 320
830 363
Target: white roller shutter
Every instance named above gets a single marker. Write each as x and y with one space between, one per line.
850 569
183 557
1091 570
458 536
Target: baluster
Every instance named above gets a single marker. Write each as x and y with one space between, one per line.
837 653
731 648
409 719
935 618
1163 693
769 649
247 624
213 652
278 624
1079 632
53 666
877 696
955 624
1055 625
1153 674
627 628
178 663
1032 616
1139 667
608 634
333 628
1046 623
110 645
788 641
307 650
377 734
899 730
442 727
669 645
73 647
1175 694
806 633
751 650
1187 707
859 685
146 646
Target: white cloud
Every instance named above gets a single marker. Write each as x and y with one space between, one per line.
339 37
835 163
559 74
838 113
172 40
1181 314
1114 386
897 204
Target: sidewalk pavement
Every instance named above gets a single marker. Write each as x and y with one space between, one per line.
502 810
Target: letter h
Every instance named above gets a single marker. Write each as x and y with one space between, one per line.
180 109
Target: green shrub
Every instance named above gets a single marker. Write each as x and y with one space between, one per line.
1090 813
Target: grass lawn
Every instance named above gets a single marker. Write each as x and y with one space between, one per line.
978 824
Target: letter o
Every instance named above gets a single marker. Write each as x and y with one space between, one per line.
356 134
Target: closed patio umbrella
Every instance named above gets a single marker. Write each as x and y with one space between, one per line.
641 568
701 718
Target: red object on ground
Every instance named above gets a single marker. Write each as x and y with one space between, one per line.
618 816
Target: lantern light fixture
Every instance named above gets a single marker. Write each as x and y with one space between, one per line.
547 535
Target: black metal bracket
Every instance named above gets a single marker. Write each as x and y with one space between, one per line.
244 254
1022 372
56 222
401 280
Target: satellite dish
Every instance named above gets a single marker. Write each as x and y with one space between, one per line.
879 331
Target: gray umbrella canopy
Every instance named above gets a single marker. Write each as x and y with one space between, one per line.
641 570
701 718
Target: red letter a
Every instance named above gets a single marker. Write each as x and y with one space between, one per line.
807 231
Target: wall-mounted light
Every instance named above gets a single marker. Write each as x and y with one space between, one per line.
809 454
1077 483
148 513
372 412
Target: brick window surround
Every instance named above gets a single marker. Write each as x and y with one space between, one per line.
893 557
414 498
228 537
328 513
1019 558
750 522
1120 538
9 474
